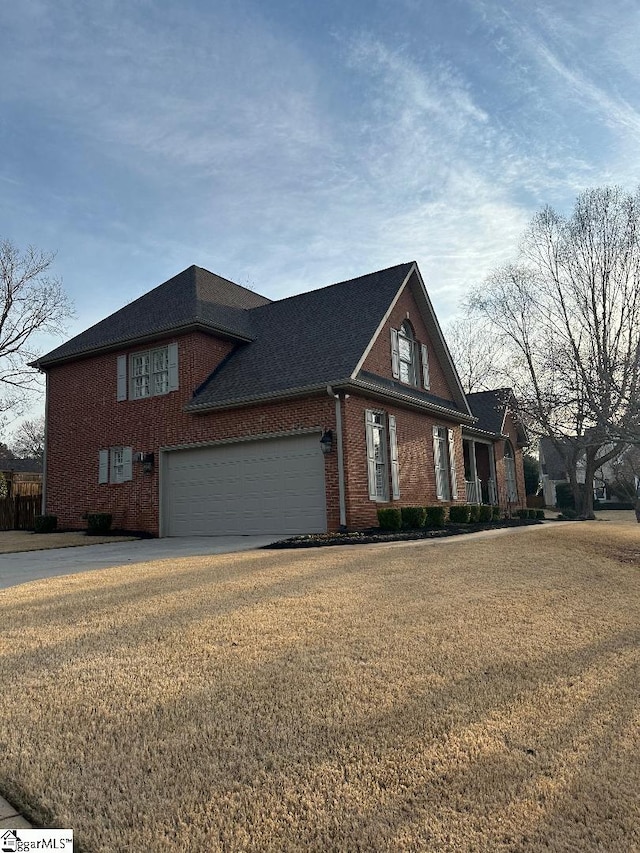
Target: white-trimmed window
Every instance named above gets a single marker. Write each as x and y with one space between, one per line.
406 355
444 461
510 473
151 373
114 465
382 457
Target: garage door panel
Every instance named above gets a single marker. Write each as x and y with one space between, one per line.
268 486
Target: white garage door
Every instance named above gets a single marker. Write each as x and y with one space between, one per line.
268 486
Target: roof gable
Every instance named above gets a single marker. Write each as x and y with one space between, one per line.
194 297
491 408
412 302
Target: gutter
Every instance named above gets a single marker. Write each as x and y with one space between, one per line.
126 343
356 386
341 490
43 508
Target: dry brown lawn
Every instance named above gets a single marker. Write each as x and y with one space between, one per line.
457 696
12 541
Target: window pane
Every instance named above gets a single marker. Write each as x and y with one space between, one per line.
160 360
161 383
141 387
404 347
140 364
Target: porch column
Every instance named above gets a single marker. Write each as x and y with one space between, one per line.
472 461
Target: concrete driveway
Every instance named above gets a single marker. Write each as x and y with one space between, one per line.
34 565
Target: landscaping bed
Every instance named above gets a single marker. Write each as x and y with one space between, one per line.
375 535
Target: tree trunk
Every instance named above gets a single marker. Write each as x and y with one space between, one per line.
585 508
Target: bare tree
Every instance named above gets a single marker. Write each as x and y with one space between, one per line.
28 439
31 303
477 354
569 313
625 470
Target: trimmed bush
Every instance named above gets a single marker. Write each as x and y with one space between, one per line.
390 518
412 517
45 523
485 513
474 513
564 496
98 523
540 514
532 513
435 516
459 514
522 513
496 514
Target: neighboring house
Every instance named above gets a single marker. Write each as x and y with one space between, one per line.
204 408
22 476
553 472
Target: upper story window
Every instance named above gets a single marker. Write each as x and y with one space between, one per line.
407 354
149 373
407 357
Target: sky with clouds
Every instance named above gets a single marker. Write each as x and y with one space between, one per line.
288 145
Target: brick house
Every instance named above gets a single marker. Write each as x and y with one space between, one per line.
203 408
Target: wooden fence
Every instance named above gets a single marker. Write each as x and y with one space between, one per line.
19 511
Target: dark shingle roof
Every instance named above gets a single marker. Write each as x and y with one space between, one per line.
193 297
24 466
489 407
303 341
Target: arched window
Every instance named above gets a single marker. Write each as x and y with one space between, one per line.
510 472
407 354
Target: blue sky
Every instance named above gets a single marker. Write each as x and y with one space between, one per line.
288 145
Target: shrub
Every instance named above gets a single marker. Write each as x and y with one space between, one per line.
98 523
522 513
496 515
45 523
532 513
485 512
412 516
435 516
540 514
564 496
390 518
459 514
474 513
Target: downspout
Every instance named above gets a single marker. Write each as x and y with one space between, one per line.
341 497
43 509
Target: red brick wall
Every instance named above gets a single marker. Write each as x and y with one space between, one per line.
511 431
378 360
415 453
84 417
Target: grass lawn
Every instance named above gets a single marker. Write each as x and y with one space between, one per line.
458 696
